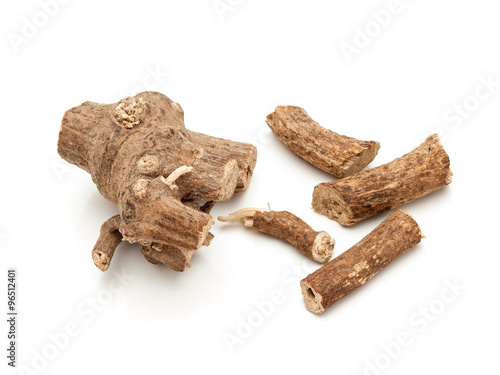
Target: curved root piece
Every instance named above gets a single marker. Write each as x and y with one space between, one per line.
109 238
322 248
208 239
333 153
285 225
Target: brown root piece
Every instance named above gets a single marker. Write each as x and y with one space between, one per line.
144 160
333 153
109 239
285 225
372 191
344 274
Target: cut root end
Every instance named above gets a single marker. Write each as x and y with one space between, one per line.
170 180
329 202
245 214
101 260
311 299
323 247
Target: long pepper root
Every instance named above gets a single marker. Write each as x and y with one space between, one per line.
285 225
333 153
144 160
372 191
344 274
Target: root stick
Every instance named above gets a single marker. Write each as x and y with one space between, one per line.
143 159
285 225
372 191
344 274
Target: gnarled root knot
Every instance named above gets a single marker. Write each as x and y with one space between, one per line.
376 190
163 178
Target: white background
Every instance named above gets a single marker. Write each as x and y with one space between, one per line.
228 72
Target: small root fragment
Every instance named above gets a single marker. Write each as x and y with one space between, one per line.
353 268
170 180
285 225
243 214
331 152
109 238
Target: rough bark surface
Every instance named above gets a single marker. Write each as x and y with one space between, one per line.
372 191
286 226
143 159
344 274
333 153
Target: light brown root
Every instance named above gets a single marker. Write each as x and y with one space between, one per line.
376 190
323 247
312 300
285 225
333 153
109 238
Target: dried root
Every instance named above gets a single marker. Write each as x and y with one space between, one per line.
109 239
333 153
144 160
285 225
372 191
344 274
